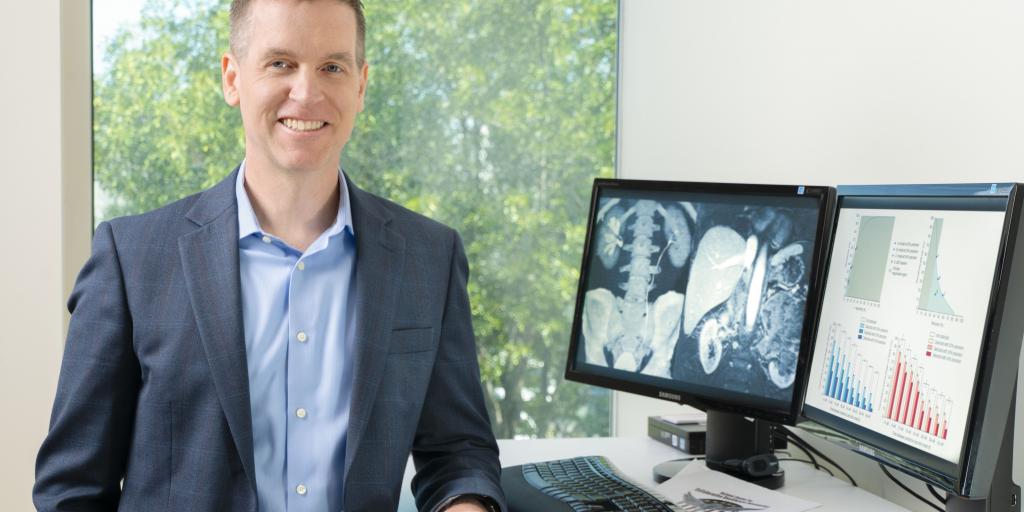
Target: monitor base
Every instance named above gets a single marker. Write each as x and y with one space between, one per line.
957 504
737 446
669 468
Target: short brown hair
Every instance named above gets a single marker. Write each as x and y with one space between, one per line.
240 19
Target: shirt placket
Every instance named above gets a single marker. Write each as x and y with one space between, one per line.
301 382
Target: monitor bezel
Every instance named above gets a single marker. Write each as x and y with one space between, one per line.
826 201
955 477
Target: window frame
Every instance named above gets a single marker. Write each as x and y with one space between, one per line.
75 142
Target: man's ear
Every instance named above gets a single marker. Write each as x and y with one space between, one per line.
229 78
364 75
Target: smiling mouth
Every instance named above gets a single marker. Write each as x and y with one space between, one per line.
302 126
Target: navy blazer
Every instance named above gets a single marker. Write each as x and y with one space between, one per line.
154 388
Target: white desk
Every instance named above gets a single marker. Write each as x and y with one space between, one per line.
636 456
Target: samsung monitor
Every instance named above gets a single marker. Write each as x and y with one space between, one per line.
703 294
917 345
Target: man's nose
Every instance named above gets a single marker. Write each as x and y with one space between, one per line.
306 87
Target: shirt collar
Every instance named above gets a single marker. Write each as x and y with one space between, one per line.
248 224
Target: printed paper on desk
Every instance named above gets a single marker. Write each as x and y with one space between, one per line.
698 489
695 466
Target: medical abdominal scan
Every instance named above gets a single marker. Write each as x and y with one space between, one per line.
712 294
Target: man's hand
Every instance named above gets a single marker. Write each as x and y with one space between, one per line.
466 504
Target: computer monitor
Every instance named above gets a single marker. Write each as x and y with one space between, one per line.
703 294
917 346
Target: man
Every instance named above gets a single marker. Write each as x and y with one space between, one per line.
283 340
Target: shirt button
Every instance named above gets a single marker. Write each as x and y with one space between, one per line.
266 239
302 265
301 336
300 489
300 412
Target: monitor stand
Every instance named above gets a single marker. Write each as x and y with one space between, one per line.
732 440
1003 494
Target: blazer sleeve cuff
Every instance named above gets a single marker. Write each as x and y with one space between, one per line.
488 492
484 501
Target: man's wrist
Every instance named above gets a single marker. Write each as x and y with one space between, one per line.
486 502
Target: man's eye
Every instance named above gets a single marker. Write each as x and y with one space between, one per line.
280 64
333 68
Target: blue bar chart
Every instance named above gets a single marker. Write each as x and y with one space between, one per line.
849 378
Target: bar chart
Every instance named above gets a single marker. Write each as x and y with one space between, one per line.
911 400
849 377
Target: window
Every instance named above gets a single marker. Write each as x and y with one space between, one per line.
492 117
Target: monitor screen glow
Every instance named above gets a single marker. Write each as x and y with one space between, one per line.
704 293
903 317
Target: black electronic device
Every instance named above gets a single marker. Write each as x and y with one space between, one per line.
687 437
703 294
916 356
757 466
576 485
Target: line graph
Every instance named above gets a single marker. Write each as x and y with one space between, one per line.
932 298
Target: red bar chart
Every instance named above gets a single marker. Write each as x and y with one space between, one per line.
912 401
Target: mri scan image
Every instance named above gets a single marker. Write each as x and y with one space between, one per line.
708 293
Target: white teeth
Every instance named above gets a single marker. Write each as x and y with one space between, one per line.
302 126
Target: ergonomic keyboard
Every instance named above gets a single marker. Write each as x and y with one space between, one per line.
590 484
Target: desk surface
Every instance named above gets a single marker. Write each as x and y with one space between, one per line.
635 456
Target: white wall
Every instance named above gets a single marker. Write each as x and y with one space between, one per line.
30 264
827 92
820 92
46 207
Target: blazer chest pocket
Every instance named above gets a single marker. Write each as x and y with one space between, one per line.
409 340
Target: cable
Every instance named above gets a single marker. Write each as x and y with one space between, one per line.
809 456
822 468
804 447
804 444
909 490
941 498
812 459
782 435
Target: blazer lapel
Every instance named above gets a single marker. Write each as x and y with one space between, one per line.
209 257
380 255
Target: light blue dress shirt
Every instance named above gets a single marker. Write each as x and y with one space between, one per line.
297 309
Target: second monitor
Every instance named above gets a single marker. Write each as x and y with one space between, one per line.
920 332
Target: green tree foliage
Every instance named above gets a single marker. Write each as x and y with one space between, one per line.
493 117
161 129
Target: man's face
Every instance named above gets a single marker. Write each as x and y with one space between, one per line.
297 83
